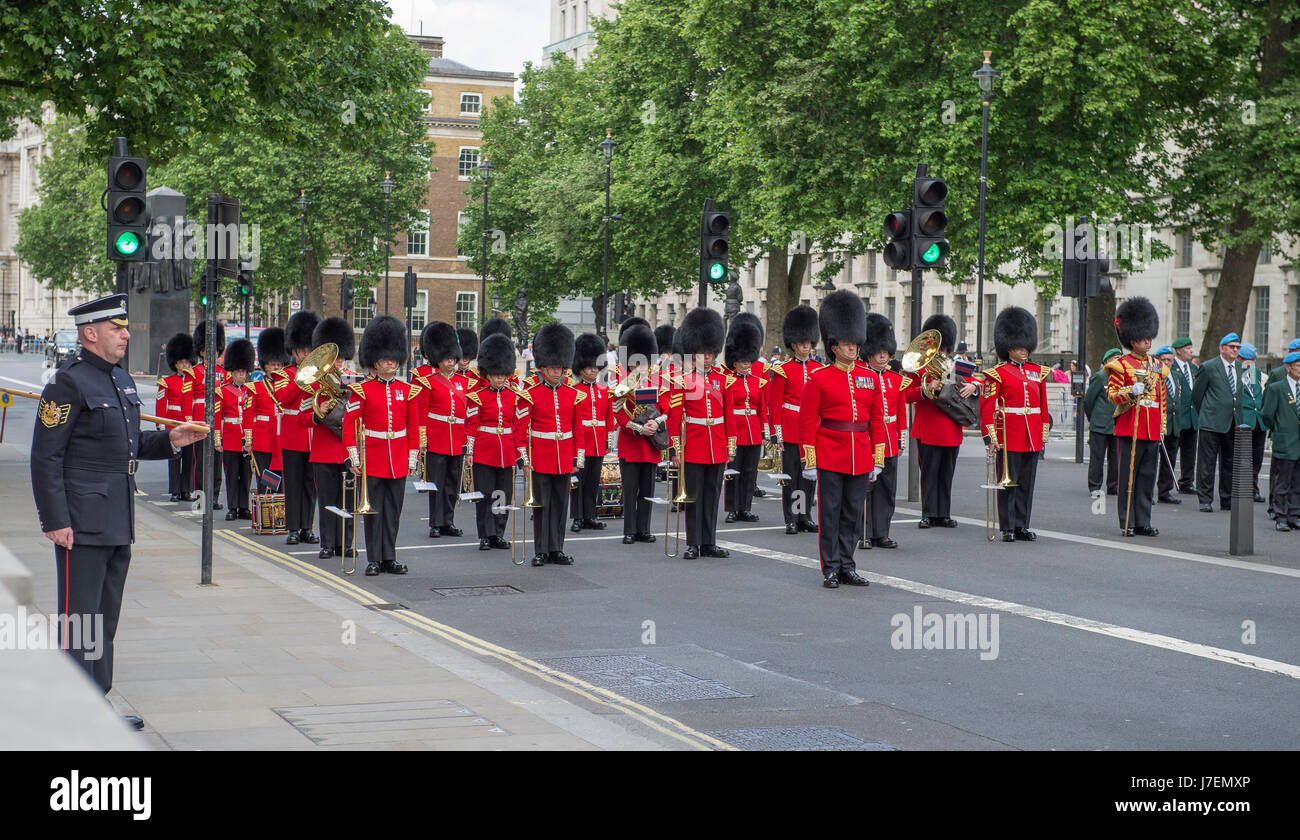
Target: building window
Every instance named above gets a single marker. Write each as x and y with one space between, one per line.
1295 307
1266 254
471 104
363 309
417 237
468 162
871 267
1045 321
420 312
461 218
936 305
1184 250
990 312
890 308
959 309
563 31
467 310
427 107
1261 319
1182 312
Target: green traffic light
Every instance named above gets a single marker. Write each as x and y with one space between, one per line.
716 271
932 253
127 243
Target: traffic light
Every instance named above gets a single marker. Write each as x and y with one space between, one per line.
620 307
715 228
347 295
209 289
929 245
1072 265
898 228
245 279
128 223
410 288
1097 266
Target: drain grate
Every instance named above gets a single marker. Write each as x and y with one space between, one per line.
476 591
387 607
641 678
376 723
796 739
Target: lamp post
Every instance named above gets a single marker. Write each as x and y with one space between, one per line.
388 250
984 77
485 170
607 146
302 249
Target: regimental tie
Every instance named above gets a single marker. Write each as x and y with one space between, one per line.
1232 379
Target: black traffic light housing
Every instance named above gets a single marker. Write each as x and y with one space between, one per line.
1073 267
620 307
347 294
715 232
409 289
929 245
209 288
128 219
245 279
898 250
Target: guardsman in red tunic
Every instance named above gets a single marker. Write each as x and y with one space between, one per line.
937 436
1135 384
382 424
894 390
703 434
1018 389
546 442
594 427
295 432
445 405
490 426
175 402
788 380
328 456
745 400
235 429
638 456
272 356
841 425
199 372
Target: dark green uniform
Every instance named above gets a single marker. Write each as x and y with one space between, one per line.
1280 413
1102 449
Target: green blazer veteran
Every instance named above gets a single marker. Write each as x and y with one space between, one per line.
1214 396
1280 412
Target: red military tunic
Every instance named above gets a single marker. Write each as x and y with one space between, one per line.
326 447
199 404
175 397
696 400
491 425
266 413
1023 388
445 411
545 424
1149 410
295 426
388 412
745 400
788 381
895 391
235 401
632 446
841 421
596 420
930 425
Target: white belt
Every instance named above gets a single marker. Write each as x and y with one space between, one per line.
443 418
1022 410
385 435
745 412
497 431
261 418
789 407
704 421
171 407
550 435
200 402
1148 403
592 423
891 418
289 412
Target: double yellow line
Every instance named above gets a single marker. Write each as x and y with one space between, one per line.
481 647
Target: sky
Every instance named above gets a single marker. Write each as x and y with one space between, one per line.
484 34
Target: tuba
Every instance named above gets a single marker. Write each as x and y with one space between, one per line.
317 373
922 357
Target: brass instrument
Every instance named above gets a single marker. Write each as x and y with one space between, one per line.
360 498
1140 375
467 491
681 499
991 486
318 372
922 355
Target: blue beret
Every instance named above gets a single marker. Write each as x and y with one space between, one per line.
1247 350
1294 345
1164 350
1227 339
1291 358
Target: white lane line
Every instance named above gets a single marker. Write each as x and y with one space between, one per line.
23 382
1229 657
1147 548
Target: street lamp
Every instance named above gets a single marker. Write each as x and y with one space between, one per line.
984 77
485 170
302 249
607 146
388 250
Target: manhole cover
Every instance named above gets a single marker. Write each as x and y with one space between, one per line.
387 607
641 678
796 739
374 723
475 591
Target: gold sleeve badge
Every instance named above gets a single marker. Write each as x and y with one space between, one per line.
53 415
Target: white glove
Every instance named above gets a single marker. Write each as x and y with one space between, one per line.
810 475
410 464
779 438
875 473
469 448
523 456
580 461
1139 389
902 442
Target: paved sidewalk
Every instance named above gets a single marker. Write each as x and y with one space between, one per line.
271 658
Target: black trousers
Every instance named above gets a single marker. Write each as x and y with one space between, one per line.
238 476
704 485
1165 470
180 472
1285 484
1214 448
263 460
1187 464
91 580
938 463
1103 453
498 488
1144 477
385 499
335 531
1016 504
879 504
798 494
1257 438
299 491
746 464
444 471
638 486
583 497
839 518
552 490
198 471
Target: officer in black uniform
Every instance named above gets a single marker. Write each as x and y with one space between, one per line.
85 450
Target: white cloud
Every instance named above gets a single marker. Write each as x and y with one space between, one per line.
484 34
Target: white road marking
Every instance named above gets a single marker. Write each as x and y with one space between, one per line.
22 382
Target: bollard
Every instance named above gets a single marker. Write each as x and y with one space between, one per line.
1241 535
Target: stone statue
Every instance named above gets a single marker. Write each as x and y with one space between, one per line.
521 319
734 298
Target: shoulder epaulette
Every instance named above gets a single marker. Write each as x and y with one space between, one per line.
473 395
251 387
778 370
578 396
729 381
415 389
762 383
992 373
1116 365
162 383
356 388
524 395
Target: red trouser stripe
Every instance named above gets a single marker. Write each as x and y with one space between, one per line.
67 587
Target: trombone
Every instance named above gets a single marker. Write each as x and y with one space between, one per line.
360 500
680 500
990 464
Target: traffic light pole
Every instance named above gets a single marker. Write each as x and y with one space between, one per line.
120 282
1083 371
913 459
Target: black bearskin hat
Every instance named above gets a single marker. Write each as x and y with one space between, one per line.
384 338
495 326
553 346
744 340
439 341
1136 319
947 328
201 337
1015 327
677 343
468 343
843 319
663 338
800 324
880 336
496 355
629 324
180 347
270 347
640 344
239 355
588 351
335 331
299 331
701 332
